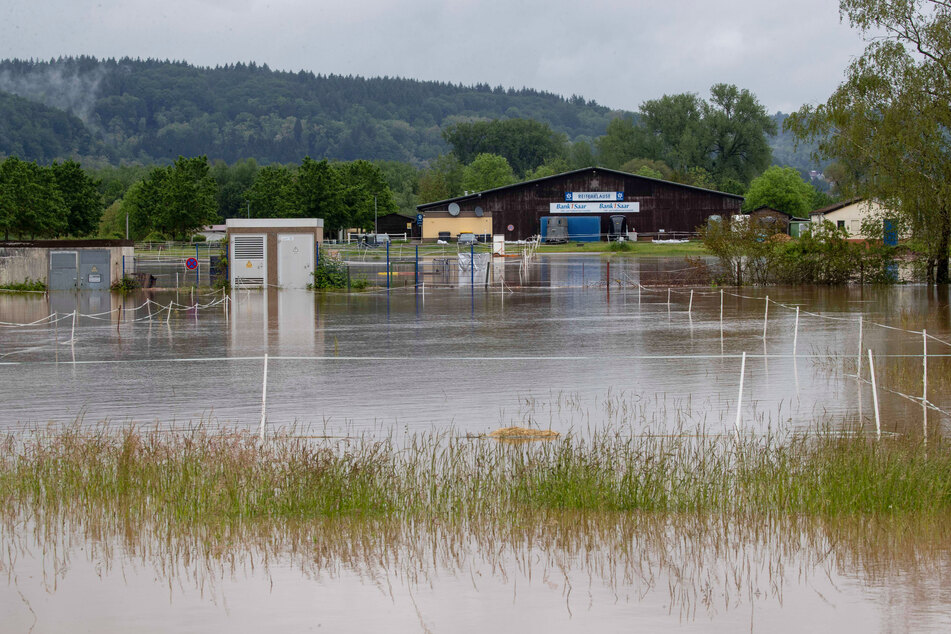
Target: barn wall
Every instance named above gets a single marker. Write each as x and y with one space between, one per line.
667 207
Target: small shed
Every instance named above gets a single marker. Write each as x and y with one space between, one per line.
66 265
273 251
772 218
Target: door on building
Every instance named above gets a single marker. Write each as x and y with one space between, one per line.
63 270
295 259
94 269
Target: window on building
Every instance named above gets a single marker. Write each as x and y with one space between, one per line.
840 224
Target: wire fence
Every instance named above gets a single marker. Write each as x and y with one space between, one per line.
686 300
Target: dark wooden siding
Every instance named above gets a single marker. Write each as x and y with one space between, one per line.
663 206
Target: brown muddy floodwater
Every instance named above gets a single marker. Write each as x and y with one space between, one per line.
564 345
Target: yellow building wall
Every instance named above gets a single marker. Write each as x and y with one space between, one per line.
455 226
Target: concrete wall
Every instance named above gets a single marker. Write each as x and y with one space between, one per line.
19 263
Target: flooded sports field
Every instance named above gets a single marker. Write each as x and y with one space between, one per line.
666 501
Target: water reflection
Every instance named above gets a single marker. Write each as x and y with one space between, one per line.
469 357
557 571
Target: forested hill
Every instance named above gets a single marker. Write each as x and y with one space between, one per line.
153 110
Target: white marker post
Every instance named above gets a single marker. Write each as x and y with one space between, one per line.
264 399
739 398
878 417
765 318
924 385
690 305
858 367
795 339
721 309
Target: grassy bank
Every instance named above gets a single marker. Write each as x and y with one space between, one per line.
206 478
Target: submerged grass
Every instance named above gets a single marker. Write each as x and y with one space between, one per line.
204 477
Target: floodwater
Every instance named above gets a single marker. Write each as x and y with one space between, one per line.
564 343
564 350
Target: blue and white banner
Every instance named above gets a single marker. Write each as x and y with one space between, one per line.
594 208
593 196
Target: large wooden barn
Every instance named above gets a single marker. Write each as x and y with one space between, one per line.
585 201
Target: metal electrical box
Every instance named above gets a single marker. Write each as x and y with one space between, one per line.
248 263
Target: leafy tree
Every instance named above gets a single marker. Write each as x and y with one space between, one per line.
620 143
648 167
81 197
365 193
176 200
233 181
487 171
524 143
273 193
30 203
726 137
781 188
549 168
442 180
319 194
887 124
736 127
674 131
188 198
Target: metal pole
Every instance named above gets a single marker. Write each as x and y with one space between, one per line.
765 318
416 272
123 267
739 398
387 257
878 417
376 230
197 267
795 339
264 398
127 226
471 266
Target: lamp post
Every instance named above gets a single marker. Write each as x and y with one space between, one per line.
376 230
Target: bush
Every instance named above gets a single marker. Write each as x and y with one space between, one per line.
749 253
155 236
199 238
26 285
330 273
621 246
125 285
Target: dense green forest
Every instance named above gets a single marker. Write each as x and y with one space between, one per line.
148 111
154 111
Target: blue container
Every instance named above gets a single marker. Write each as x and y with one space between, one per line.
580 228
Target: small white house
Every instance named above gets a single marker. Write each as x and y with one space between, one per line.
849 215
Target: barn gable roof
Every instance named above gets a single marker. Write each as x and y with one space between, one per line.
475 195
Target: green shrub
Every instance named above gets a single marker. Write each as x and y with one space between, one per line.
330 273
621 246
199 238
25 286
155 236
125 285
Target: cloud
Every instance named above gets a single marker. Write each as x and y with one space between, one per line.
619 53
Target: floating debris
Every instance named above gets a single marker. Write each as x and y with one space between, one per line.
523 433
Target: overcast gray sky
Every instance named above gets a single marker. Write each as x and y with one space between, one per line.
788 52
